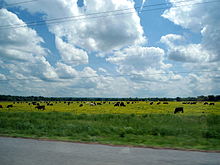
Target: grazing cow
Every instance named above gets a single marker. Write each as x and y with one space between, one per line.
80 105
117 104
9 106
92 104
165 103
34 103
40 107
122 104
99 104
151 103
211 103
206 103
158 103
1 106
178 109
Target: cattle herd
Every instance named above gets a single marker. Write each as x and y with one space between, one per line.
39 106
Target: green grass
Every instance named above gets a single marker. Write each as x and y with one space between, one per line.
162 130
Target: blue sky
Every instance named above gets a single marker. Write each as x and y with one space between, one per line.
169 52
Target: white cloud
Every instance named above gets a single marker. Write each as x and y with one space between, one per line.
102 34
179 50
138 60
70 54
18 43
203 19
65 71
21 51
2 77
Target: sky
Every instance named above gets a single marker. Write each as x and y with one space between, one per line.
110 48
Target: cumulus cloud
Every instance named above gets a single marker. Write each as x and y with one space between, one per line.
141 62
18 43
69 54
102 34
21 51
203 19
180 50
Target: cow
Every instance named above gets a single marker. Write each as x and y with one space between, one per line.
80 105
9 106
99 104
40 107
206 103
165 103
151 103
158 103
34 103
117 104
211 103
122 104
178 109
1 106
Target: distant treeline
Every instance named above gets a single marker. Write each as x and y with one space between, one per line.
41 98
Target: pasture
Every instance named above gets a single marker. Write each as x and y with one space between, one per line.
137 108
137 123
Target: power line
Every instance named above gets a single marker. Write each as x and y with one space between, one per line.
119 75
77 18
97 13
18 3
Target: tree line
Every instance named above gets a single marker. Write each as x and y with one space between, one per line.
41 98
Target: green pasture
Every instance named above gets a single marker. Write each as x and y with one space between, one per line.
108 108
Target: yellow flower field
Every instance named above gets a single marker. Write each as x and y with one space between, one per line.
109 108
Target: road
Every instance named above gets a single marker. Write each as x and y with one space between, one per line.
16 151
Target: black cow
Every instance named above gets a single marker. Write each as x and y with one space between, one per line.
117 104
99 104
178 109
1 106
151 103
165 103
122 104
9 106
40 107
206 103
80 105
211 103
158 103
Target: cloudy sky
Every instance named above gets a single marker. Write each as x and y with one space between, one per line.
110 48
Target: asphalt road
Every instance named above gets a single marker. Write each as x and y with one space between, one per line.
34 152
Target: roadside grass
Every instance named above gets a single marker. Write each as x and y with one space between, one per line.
160 130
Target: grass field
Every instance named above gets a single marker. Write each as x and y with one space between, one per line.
139 124
135 108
